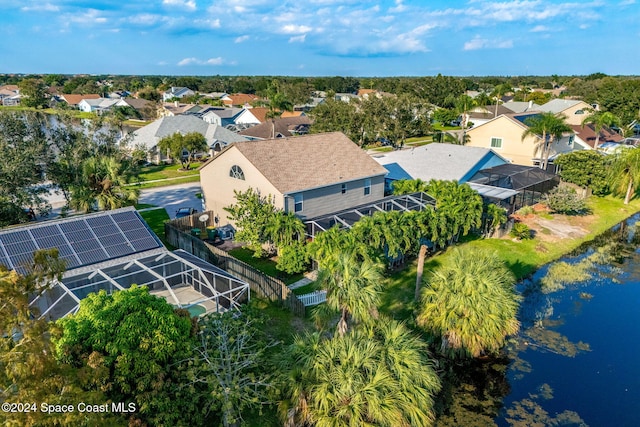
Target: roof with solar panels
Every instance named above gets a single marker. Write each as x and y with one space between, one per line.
112 251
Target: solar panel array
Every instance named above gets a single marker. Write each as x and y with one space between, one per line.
80 241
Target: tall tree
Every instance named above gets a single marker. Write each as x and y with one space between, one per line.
624 175
103 185
353 289
470 304
33 93
230 363
383 378
545 127
178 144
599 120
252 214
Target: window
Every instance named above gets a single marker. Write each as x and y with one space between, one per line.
297 202
571 139
236 172
579 112
367 186
496 142
344 188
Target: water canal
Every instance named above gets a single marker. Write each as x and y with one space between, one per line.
575 362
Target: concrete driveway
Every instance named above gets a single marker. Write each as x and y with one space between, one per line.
173 197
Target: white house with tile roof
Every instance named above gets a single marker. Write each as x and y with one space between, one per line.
309 175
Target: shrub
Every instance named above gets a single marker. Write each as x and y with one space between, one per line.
520 231
526 210
565 200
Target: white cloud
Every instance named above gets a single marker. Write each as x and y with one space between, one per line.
481 43
91 16
295 29
46 7
627 2
187 4
195 61
146 19
399 7
298 39
540 29
241 39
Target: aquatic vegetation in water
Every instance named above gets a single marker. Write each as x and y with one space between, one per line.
554 342
586 295
528 413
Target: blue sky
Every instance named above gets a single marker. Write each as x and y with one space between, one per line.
320 37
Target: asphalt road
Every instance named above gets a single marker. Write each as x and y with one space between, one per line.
173 197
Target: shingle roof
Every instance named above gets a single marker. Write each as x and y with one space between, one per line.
73 99
558 105
434 161
239 99
310 161
521 106
283 127
588 134
151 134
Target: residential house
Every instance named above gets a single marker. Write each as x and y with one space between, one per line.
279 128
521 106
483 113
221 116
345 97
176 93
73 100
503 134
239 99
312 103
586 136
148 136
9 95
259 113
97 105
170 109
309 175
574 110
437 161
147 109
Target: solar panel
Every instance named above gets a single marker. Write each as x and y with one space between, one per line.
80 240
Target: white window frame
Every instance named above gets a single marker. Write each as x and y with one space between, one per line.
236 172
497 138
298 199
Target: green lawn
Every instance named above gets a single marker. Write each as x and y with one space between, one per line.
171 181
156 219
265 265
438 126
150 173
522 257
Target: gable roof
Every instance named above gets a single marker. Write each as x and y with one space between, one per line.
437 161
559 105
306 162
239 99
151 134
588 135
260 113
74 99
521 106
488 112
136 103
222 112
283 127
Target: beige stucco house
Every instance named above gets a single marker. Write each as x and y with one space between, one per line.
504 135
309 175
574 110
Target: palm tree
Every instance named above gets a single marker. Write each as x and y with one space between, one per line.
277 104
284 229
104 184
383 378
544 127
353 288
494 216
624 174
600 119
462 105
470 303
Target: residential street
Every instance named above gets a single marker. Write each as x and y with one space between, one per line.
173 197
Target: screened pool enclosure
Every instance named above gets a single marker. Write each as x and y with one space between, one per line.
112 251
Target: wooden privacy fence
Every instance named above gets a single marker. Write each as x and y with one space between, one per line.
177 233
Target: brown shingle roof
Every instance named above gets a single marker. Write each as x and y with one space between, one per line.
310 161
588 135
240 99
74 99
260 113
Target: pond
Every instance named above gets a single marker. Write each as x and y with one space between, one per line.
575 362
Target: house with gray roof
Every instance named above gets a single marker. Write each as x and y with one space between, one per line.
149 136
437 161
521 106
574 110
98 105
177 92
309 175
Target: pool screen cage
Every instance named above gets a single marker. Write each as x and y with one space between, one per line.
531 183
184 280
348 217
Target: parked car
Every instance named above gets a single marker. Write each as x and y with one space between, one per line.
182 212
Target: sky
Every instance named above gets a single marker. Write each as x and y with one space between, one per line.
320 37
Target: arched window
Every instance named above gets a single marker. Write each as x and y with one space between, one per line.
236 172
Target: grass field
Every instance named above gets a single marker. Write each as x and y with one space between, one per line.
150 173
267 266
156 219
